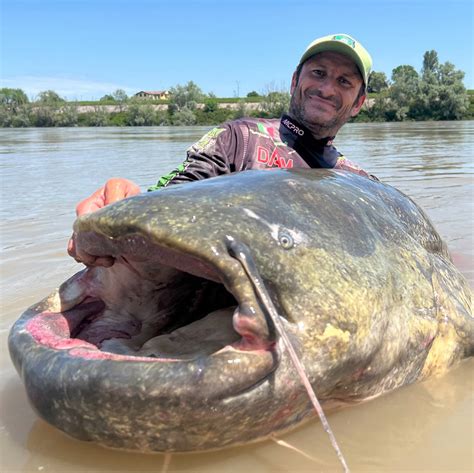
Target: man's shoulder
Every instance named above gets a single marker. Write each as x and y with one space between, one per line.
252 122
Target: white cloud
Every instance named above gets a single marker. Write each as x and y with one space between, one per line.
69 88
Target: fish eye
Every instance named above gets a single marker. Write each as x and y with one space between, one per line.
286 241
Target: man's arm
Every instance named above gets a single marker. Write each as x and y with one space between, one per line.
213 155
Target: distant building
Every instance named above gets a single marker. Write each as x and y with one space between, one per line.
153 94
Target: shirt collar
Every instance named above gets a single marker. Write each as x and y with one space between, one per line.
301 132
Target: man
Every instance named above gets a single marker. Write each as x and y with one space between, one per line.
327 89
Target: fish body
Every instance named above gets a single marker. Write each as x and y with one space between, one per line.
171 349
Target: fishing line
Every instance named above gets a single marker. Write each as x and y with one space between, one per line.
241 253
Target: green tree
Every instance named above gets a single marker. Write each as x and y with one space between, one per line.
220 115
139 114
253 94
430 69
437 93
12 98
99 117
45 110
211 104
241 110
405 74
380 109
377 82
184 117
14 108
185 96
66 116
49 98
21 118
120 96
275 103
17 119
42 116
107 98
403 91
442 93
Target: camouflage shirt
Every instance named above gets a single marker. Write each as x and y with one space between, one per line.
249 143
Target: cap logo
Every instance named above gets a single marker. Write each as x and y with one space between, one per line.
344 39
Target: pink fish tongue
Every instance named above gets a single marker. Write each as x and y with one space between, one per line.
54 329
81 324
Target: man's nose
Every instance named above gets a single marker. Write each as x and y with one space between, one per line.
327 87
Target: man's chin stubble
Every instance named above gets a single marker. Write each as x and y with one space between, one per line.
318 128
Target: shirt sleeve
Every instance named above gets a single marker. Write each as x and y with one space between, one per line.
213 155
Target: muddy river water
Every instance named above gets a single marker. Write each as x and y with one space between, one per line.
45 172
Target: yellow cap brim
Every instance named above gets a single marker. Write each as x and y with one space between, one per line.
357 52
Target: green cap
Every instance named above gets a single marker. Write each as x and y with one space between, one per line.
344 44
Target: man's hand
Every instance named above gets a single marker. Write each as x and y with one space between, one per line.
115 189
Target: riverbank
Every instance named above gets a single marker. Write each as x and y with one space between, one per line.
210 111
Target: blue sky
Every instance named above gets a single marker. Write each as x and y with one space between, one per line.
84 49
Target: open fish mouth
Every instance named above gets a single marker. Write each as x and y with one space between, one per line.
155 304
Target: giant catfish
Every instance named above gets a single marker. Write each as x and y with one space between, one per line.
172 349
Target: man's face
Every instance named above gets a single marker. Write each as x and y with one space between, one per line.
326 93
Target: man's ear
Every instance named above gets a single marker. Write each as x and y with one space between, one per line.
294 81
358 105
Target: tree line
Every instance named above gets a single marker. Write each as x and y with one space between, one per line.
437 92
187 105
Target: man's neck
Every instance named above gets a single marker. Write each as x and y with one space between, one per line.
319 133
